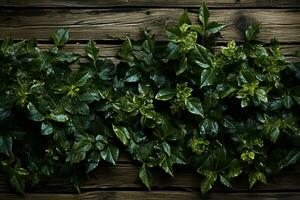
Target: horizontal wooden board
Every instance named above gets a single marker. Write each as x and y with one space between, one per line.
154 195
107 24
125 176
149 3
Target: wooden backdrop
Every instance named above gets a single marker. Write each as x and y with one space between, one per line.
108 21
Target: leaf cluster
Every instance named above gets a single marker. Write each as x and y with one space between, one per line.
226 112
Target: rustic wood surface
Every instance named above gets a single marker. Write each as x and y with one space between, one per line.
284 24
108 22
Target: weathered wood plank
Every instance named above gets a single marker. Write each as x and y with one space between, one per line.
149 3
154 195
125 176
107 24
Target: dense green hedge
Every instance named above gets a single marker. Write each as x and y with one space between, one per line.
225 113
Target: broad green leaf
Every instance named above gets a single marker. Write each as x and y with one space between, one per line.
209 127
166 164
203 14
145 176
208 181
110 153
173 50
272 132
224 180
83 145
90 96
235 169
47 170
58 117
261 95
252 31
83 79
34 114
76 156
92 51
21 171
194 106
182 67
288 101
292 158
93 161
132 75
184 19
214 27
46 128
17 182
256 176
6 145
122 133
166 148
125 52
165 94
60 37
208 77
4 113
68 57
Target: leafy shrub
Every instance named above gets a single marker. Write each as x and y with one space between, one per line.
225 112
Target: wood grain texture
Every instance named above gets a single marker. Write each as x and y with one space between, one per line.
150 3
154 195
125 177
111 24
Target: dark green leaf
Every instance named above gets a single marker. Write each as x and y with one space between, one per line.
214 27
208 77
165 94
252 31
166 164
203 14
288 101
225 181
60 37
122 133
132 75
166 148
58 117
46 128
182 66
34 114
6 145
92 51
184 19
208 181
110 153
145 176
194 106
256 176
83 80
17 182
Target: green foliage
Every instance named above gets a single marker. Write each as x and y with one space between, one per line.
231 108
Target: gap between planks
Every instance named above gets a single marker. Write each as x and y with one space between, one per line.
150 3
